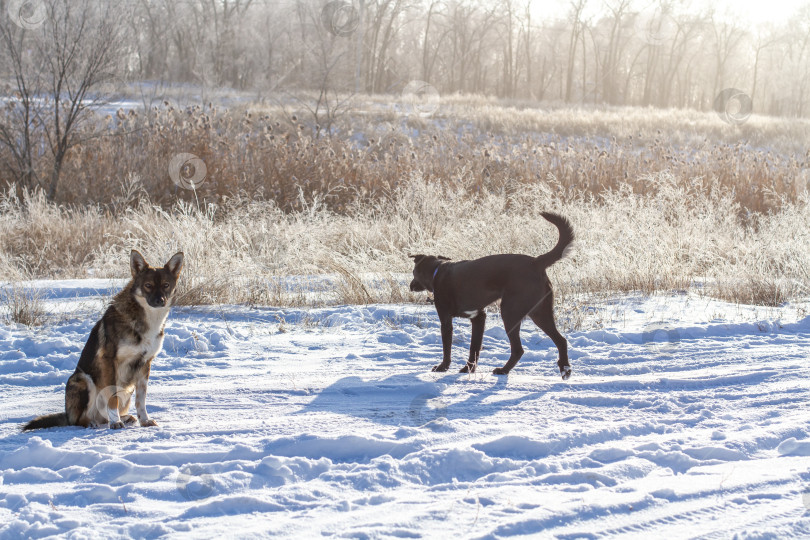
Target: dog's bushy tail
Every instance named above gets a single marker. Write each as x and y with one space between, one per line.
46 421
566 237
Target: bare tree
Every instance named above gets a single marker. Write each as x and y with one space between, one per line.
727 37
329 57
577 9
429 55
610 59
796 62
384 22
57 70
763 41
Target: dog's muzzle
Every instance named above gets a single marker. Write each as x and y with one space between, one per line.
416 286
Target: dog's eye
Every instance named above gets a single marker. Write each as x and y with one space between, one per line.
147 287
165 286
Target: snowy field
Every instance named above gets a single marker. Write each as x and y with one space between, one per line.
685 417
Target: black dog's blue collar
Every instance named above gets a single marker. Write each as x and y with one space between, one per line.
433 281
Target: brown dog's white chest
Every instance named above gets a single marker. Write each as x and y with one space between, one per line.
147 348
151 340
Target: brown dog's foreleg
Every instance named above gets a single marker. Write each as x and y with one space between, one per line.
447 343
478 324
113 404
140 396
108 399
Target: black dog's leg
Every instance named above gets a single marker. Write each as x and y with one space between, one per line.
545 321
511 322
447 343
478 323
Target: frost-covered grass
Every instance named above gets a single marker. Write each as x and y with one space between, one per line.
677 236
685 417
21 305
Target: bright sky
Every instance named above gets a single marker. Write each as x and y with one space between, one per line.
747 11
760 11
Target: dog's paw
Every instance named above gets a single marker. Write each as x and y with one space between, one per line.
500 371
128 419
440 368
467 369
565 371
116 425
149 423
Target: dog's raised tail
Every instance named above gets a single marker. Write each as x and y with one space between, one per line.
564 242
46 421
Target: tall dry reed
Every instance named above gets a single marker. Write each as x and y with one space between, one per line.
674 236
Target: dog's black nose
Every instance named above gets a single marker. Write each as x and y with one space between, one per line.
160 301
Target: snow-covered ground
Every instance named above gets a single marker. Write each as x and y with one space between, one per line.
684 417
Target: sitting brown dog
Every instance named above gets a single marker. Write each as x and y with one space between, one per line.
465 288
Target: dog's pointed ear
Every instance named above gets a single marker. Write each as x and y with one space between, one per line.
443 258
137 263
175 264
417 258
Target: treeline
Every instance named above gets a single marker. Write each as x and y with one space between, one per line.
618 52
615 52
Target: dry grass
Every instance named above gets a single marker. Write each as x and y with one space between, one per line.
673 237
22 305
267 152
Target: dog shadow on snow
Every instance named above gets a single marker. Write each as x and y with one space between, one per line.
407 400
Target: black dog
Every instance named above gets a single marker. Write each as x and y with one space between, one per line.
465 288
